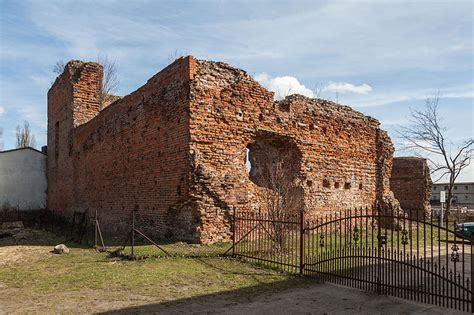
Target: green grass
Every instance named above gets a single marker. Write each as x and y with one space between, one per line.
161 279
417 242
177 249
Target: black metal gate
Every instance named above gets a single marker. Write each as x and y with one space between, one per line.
406 255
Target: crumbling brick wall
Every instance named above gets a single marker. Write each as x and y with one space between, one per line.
346 158
132 155
178 150
411 185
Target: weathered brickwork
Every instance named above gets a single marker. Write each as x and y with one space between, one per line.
411 185
131 156
175 150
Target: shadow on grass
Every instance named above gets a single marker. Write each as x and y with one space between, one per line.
219 301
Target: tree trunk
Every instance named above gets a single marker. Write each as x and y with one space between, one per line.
449 198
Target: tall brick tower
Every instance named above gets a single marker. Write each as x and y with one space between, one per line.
72 101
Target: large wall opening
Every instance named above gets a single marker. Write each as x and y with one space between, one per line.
274 164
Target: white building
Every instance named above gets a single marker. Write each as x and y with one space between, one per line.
23 181
463 193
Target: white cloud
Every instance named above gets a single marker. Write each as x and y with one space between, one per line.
283 86
384 98
343 87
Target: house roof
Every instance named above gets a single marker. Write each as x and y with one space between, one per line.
25 148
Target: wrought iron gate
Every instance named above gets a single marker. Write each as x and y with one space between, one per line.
401 254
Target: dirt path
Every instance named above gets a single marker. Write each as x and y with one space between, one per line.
316 299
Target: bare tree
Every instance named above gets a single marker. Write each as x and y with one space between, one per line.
427 136
110 81
24 137
279 195
59 67
175 55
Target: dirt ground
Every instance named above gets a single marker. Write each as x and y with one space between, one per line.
315 299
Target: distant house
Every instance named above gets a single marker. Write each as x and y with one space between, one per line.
463 193
23 181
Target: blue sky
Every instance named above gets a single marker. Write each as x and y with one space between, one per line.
381 58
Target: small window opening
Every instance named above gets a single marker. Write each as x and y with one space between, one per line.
248 165
336 185
360 186
309 183
326 183
240 115
347 185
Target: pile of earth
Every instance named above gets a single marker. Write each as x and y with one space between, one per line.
14 233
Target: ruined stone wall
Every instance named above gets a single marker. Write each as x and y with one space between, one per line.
72 94
345 159
178 151
133 155
411 184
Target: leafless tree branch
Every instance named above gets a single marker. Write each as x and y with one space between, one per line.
426 133
24 137
110 81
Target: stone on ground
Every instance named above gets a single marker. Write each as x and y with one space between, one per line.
61 249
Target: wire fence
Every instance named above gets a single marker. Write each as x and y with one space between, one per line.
137 242
140 244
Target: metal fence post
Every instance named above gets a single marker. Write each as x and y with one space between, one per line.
472 274
302 230
95 229
379 248
133 231
233 233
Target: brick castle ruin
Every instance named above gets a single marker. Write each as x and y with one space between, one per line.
411 184
199 141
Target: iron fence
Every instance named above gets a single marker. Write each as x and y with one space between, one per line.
407 255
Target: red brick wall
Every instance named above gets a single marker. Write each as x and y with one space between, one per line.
341 148
411 185
175 150
73 94
132 155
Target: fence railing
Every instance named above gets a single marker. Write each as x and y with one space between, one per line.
275 242
408 255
